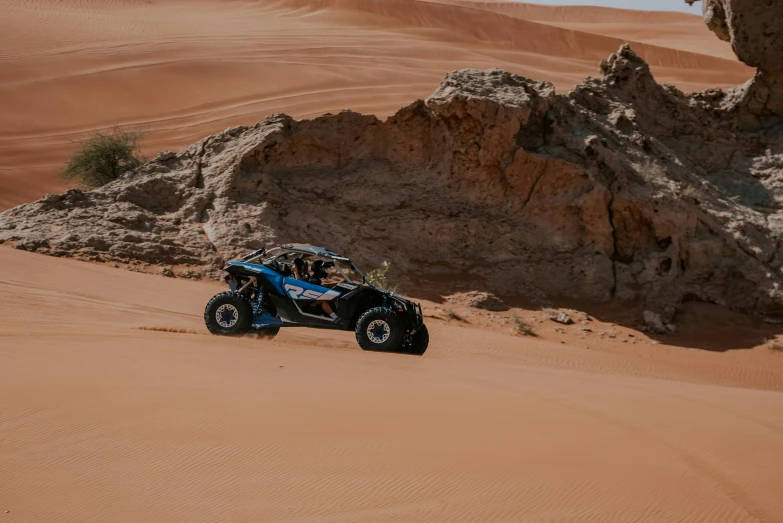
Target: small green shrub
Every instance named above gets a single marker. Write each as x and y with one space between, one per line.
379 277
523 327
103 158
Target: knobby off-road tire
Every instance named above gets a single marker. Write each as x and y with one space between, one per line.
420 342
380 329
229 314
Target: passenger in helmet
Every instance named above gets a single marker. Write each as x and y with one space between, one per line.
316 278
318 272
300 269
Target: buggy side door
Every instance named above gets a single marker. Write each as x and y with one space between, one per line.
298 306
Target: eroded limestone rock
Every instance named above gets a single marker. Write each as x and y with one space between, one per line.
755 30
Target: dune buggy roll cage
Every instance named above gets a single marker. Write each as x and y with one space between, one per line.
317 252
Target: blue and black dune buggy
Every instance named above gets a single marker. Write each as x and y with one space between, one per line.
307 286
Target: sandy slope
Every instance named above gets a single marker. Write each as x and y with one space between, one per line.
105 416
668 30
103 421
186 69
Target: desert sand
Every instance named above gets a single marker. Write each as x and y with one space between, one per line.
184 69
117 405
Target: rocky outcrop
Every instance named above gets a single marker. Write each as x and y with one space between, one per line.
479 300
621 190
753 28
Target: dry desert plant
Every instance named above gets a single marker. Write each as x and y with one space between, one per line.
103 158
454 315
774 345
379 277
523 327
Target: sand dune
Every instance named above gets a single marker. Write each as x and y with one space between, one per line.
105 416
186 69
664 29
117 405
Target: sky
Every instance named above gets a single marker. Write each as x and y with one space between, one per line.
649 5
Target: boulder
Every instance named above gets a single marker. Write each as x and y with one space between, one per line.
558 316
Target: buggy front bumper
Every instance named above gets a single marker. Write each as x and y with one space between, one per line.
419 317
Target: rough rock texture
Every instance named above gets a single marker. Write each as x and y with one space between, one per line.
754 29
479 300
656 324
623 189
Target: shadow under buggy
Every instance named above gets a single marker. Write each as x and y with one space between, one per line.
308 286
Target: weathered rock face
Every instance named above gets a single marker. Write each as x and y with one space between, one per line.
754 29
623 189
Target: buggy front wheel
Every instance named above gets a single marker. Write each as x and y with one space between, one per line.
380 329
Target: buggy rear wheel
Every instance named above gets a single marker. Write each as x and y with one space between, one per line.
228 313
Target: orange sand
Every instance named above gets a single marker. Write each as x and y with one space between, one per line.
105 416
117 405
184 69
